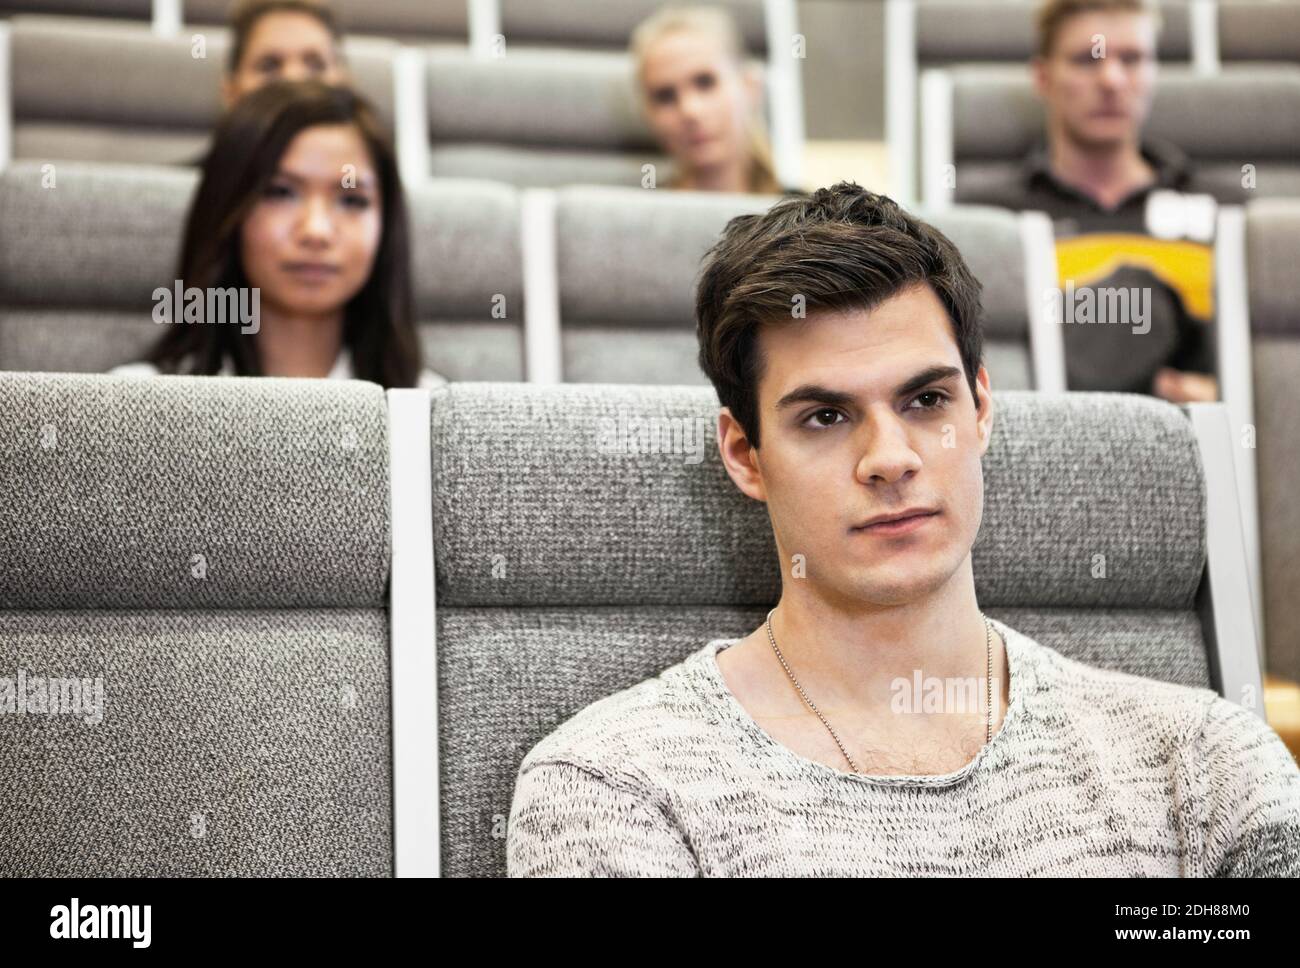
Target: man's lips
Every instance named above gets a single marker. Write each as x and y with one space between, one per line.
898 525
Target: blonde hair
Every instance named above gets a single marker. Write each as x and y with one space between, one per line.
1053 13
717 23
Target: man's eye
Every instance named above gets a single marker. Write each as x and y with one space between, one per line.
705 82
822 412
268 65
940 400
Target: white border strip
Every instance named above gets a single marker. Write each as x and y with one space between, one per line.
543 356
413 645
1203 27
1232 636
1237 382
410 116
484 26
6 96
936 138
900 98
167 17
1046 340
785 91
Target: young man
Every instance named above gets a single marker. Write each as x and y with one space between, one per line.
862 428
1107 189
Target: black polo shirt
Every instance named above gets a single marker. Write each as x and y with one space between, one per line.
1136 282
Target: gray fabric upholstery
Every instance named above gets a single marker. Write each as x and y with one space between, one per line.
232 744
99 90
576 23
533 118
603 570
1259 30
629 259
79 261
997 119
399 19
465 253
958 30
1272 248
116 485
542 491
132 9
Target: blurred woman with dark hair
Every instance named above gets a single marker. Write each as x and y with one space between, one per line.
299 210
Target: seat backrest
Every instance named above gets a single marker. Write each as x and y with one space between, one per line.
207 559
141 10
534 119
1272 253
587 537
467 274
401 20
958 31
1258 30
627 261
97 90
82 249
997 119
575 23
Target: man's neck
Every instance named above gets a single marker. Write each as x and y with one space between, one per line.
850 656
1107 173
301 346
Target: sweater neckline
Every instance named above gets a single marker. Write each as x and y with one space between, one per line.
1020 672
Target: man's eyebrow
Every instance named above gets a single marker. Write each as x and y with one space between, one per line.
813 393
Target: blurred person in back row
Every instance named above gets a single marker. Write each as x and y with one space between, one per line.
281 40
702 101
299 210
1109 190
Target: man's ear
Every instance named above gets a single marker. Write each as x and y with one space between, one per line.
740 459
984 420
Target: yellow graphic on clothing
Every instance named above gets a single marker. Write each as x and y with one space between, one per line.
1185 267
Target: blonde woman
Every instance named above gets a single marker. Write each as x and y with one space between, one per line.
703 100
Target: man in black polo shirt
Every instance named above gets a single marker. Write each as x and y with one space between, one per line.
1134 227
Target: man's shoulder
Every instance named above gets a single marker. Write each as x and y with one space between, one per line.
1115 698
629 728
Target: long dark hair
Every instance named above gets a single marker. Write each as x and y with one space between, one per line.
378 328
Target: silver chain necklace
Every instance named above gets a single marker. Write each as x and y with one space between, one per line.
988 678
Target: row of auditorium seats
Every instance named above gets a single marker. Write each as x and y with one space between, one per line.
580 284
593 284
571 23
328 623
929 38
105 90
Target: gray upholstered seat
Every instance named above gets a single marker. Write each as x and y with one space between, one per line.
569 567
628 260
82 248
1272 249
103 90
532 119
216 552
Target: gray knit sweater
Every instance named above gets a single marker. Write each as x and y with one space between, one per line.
1092 772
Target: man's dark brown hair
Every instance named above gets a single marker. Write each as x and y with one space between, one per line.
841 248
